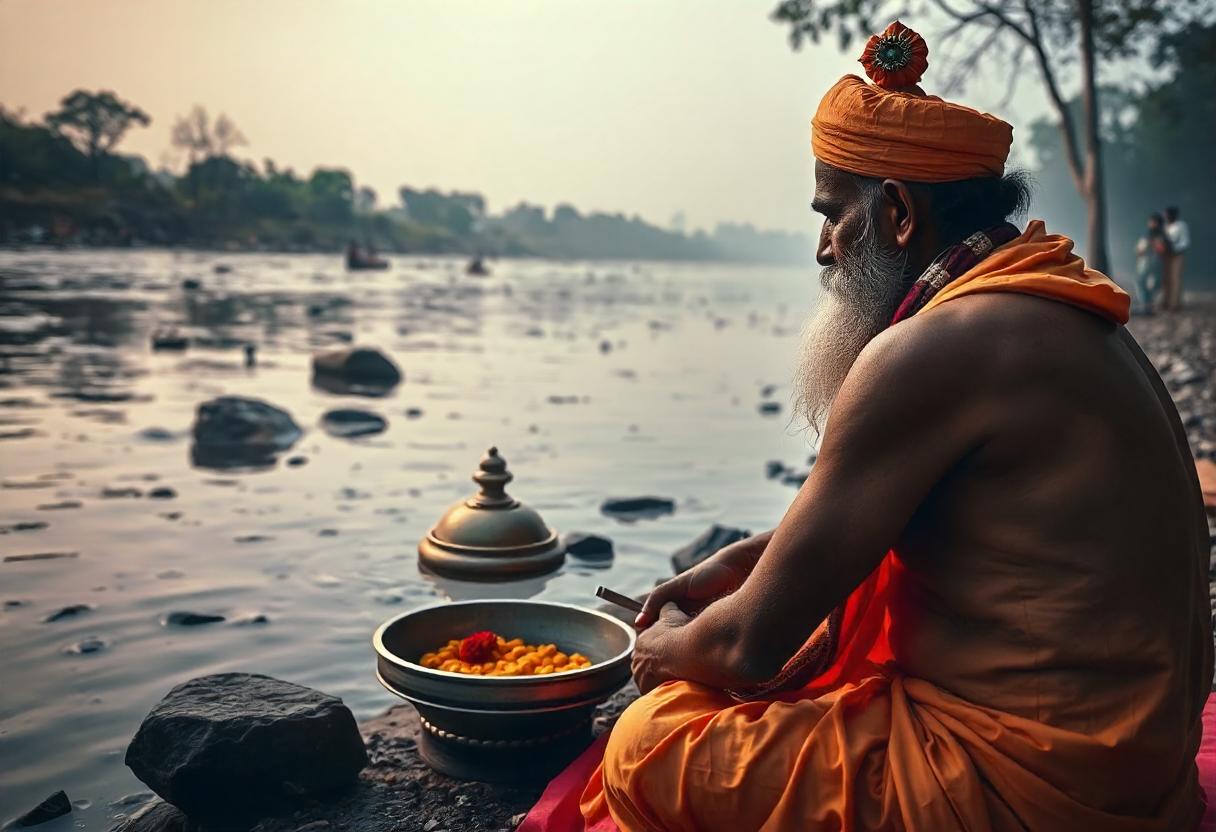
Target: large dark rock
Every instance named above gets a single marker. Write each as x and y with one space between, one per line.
706 544
358 370
231 431
230 748
55 806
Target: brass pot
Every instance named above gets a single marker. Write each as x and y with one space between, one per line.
491 536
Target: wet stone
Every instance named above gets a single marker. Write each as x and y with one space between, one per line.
349 423
121 493
28 526
769 408
180 618
773 469
164 492
706 544
231 431
587 546
40 556
55 806
20 433
61 506
365 369
87 646
637 508
232 747
169 340
297 461
70 611
155 434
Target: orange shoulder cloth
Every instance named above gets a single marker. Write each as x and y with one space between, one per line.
1041 264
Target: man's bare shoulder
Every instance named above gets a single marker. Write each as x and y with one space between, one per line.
973 342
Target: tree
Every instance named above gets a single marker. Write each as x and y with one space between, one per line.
1151 155
1056 35
201 139
332 195
365 200
95 122
458 212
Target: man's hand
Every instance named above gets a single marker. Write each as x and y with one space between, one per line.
718 575
657 654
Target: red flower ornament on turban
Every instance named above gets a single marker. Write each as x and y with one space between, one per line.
896 59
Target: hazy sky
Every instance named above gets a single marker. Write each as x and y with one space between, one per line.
640 106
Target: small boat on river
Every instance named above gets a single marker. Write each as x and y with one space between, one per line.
363 259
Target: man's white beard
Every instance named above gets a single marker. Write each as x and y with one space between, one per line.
861 292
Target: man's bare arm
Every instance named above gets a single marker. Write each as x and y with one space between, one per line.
911 408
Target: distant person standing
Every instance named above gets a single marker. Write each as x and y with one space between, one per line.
1152 253
1179 237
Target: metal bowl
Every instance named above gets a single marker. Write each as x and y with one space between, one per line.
503 728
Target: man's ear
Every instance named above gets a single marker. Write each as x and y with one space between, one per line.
900 208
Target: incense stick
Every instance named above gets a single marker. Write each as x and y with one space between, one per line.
618 599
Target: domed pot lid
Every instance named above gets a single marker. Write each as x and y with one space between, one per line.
491 535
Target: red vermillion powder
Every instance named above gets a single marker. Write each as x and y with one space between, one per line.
478 648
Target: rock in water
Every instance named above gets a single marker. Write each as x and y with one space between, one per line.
157 816
233 430
233 747
70 611
709 542
361 370
587 546
348 423
636 508
55 806
180 618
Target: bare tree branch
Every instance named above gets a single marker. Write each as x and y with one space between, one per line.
1068 130
1019 55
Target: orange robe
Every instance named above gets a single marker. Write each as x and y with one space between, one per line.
866 746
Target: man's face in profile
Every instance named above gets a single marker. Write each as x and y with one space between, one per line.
863 281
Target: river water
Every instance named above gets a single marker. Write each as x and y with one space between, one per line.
594 380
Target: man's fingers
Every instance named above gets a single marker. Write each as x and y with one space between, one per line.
671 612
653 604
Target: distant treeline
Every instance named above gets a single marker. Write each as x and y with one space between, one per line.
62 182
1157 150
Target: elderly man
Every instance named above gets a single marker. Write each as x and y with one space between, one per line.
986 609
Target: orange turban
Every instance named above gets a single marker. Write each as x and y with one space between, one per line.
900 132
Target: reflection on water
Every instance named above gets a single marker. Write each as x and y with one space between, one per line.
595 380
